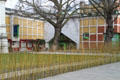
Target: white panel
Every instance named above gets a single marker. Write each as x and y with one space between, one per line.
49 32
3 40
23 46
71 30
2 13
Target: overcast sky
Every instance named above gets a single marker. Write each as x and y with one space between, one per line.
12 3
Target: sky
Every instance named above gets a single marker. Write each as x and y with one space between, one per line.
12 3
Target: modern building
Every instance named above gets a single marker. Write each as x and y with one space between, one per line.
23 33
18 33
92 32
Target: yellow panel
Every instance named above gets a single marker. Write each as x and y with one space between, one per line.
40 37
16 21
30 23
85 22
81 30
20 29
24 36
92 29
92 21
7 20
34 31
21 37
81 21
9 36
81 38
24 22
42 24
29 36
85 30
101 21
39 23
34 24
8 29
24 30
80 45
34 36
40 32
30 30
21 21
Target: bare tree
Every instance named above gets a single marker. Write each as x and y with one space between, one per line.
56 12
107 9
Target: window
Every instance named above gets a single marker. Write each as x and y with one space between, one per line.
16 30
86 36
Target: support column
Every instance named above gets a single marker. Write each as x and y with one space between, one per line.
78 46
47 45
3 33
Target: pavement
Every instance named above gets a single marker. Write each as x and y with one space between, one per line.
105 72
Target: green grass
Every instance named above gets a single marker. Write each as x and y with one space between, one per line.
14 62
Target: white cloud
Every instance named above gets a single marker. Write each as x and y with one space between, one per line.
11 3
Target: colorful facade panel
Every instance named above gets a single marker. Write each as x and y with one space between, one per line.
95 28
28 28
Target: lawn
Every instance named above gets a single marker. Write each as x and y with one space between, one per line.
16 62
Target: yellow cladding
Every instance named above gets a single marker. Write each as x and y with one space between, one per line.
7 20
81 30
24 30
80 45
21 22
40 31
86 30
21 37
81 38
40 37
8 29
34 36
30 23
29 28
92 29
40 25
35 31
85 22
30 31
34 23
20 30
92 21
16 20
24 36
29 37
24 22
8 36
101 21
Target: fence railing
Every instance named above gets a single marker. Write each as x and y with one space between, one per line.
35 65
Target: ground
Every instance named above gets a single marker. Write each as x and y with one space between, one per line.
105 72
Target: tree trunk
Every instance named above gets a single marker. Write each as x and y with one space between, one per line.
109 29
56 38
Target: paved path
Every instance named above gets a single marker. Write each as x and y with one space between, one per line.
105 72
